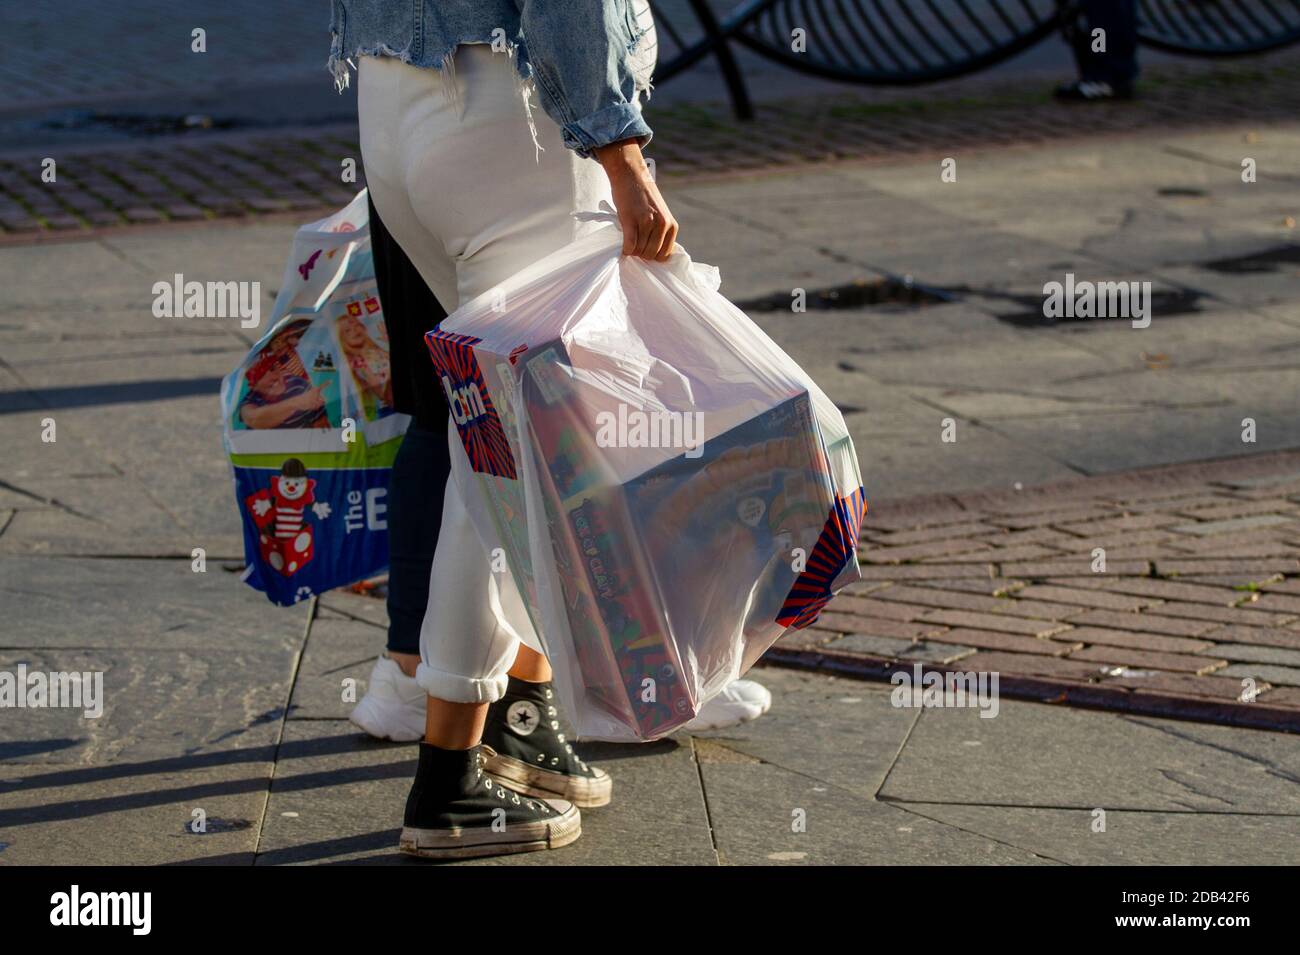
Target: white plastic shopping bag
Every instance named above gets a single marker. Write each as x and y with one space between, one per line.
671 492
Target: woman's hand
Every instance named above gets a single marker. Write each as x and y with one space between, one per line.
649 229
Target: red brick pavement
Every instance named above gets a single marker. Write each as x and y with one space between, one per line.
1198 604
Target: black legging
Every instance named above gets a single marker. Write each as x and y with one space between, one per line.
415 489
423 465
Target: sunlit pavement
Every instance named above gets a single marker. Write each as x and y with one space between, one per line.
1000 450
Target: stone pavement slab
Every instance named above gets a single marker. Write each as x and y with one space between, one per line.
803 733
142 815
1082 760
157 704
337 796
1130 838
96 604
731 796
756 805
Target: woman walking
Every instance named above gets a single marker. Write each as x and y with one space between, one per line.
474 181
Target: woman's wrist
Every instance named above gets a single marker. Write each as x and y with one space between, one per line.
622 159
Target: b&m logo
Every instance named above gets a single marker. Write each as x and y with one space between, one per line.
465 402
470 403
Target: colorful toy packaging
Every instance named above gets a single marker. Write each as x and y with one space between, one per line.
671 491
308 420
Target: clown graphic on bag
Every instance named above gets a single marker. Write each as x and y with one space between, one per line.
278 511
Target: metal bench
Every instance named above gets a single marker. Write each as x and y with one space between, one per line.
906 42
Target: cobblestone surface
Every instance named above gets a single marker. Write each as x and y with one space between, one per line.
212 175
1185 631
187 180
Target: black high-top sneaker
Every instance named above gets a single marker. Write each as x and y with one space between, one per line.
527 749
457 811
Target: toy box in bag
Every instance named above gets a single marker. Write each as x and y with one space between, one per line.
671 491
308 420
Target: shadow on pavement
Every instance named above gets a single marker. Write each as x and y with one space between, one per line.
93 396
383 842
331 745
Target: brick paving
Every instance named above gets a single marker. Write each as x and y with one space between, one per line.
1184 631
214 175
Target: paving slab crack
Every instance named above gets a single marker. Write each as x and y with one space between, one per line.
704 796
47 501
792 771
895 800
279 738
884 778
347 666
1169 775
140 485
979 835
332 608
1195 156
858 797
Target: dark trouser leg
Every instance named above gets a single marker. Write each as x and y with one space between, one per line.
415 490
1118 64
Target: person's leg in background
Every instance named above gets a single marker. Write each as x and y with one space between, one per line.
394 704
1108 73
414 517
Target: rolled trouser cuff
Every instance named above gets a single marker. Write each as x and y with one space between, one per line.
455 688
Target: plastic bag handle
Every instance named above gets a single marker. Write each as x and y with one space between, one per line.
704 276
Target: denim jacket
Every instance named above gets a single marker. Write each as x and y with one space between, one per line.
581 55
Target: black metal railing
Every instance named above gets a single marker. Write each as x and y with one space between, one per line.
1218 27
906 42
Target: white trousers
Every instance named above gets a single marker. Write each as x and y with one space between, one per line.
463 190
